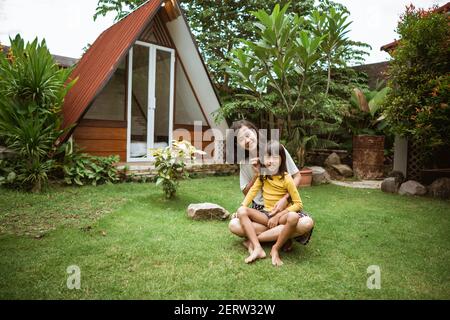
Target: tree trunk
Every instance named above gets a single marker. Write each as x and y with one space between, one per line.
329 77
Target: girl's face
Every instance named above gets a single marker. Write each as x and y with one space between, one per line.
272 163
247 139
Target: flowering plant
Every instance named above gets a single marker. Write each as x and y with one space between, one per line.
170 164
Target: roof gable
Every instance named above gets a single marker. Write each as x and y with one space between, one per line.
100 61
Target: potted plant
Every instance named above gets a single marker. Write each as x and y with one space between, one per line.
307 135
367 126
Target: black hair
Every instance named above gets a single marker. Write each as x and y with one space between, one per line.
236 126
273 147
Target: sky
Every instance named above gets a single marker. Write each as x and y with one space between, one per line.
67 25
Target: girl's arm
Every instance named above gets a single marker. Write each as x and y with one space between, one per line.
252 193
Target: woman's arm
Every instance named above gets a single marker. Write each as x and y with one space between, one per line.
254 176
297 204
250 185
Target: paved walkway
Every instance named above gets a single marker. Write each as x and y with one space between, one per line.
364 184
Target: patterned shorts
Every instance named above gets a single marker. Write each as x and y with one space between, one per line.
304 238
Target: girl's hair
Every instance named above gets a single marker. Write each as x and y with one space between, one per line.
235 128
273 147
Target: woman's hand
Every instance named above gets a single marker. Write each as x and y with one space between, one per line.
256 165
273 222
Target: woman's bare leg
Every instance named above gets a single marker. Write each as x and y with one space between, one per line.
236 228
246 216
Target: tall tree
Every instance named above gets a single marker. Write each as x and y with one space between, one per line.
218 27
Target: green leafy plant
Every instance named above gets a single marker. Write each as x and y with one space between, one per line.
309 134
284 51
81 169
365 116
417 106
32 87
170 164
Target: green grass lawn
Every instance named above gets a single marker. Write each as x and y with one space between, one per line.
130 243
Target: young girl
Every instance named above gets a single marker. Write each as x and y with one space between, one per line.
275 183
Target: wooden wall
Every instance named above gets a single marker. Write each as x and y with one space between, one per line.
105 138
102 138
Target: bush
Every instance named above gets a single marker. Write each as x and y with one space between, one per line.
32 87
82 169
170 164
417 106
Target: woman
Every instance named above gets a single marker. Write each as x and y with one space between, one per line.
246 137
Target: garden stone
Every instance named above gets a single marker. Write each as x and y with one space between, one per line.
412 188
390 185
399 177
440 188
206 210
332 159
319 175
343 169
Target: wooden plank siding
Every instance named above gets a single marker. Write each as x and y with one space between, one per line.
102 141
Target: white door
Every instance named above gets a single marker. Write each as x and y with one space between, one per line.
150 99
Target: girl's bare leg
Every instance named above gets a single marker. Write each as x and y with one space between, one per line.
246 216
304 225
285 234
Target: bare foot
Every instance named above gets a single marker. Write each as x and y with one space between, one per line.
247 243
276 261
287 247
257 253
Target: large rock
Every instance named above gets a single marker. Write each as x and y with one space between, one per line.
319 175
398 175
440 188
343 169
412 188
390 185
332 159
206 210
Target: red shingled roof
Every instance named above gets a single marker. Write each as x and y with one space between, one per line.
101 60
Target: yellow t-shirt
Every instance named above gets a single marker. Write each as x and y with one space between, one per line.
273 189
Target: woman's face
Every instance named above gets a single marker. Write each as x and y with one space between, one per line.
272 163
247 139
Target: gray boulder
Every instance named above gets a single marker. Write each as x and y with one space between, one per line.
412 188
440 188
332 159
343 169
198 211
319 175
390 185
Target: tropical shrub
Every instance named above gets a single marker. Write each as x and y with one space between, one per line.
417 106
365 115
32 87
297 59
170 164
81 168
